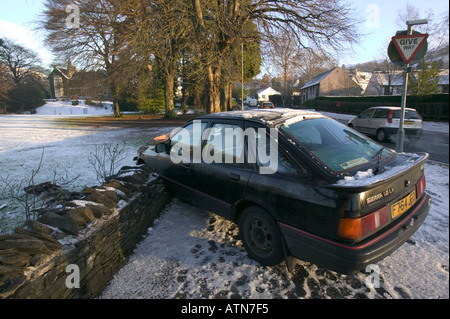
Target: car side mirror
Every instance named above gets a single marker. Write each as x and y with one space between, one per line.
161 147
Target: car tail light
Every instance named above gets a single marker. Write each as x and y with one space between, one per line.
355 228
421 118
421 186
390 116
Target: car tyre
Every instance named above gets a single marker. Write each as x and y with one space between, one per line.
261 236
381 135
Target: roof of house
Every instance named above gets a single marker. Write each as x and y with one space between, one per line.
63 72
397 78
269 89
443 77
317 79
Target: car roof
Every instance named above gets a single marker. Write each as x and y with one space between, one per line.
390 108
272 117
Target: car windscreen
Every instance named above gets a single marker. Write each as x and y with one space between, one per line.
334 144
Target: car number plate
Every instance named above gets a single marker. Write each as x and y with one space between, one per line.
408 123
403 205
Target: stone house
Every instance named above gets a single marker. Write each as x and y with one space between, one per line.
69 83
59 79
334 82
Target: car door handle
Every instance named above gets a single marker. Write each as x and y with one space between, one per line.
235 177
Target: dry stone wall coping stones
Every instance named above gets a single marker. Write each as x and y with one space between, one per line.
67 219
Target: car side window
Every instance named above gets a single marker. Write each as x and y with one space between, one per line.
224 144
366 114
283 164
186 142
380 114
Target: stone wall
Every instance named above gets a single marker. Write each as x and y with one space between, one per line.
80 239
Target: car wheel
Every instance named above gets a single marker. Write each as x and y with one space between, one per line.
261 236
381 135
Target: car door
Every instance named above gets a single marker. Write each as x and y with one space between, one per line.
178 165
363 122
378 120
223 173
290 193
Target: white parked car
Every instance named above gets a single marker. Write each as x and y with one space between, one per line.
253 103
383 122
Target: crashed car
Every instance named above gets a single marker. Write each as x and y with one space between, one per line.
298 184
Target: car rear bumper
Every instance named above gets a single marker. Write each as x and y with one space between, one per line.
348 259
417 132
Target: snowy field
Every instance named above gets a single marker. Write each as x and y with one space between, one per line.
64 149
189 253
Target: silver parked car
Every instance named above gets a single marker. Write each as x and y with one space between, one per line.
383 122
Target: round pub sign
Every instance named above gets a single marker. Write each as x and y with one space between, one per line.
404 49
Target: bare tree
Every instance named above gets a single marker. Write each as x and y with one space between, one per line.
282 55
241 64
218 24
160 29
91 39
21 63
23 86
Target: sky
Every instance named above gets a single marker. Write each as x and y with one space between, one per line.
380 22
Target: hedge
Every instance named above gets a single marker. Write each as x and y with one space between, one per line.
431 107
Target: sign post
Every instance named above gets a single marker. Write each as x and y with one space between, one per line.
407 46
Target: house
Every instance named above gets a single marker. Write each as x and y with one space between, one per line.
385 83
65 83
334 82
443 81
59 79
359 77
391 83
263 95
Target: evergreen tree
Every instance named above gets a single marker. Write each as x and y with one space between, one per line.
426 81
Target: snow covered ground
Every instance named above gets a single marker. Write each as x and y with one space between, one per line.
65 150
190 253
66 108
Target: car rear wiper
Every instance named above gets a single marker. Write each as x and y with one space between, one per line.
378 155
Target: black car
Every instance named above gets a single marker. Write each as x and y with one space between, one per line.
266 105
298 184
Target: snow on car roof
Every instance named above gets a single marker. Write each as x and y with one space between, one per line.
271 117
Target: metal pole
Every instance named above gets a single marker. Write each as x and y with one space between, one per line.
401 130
242 74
